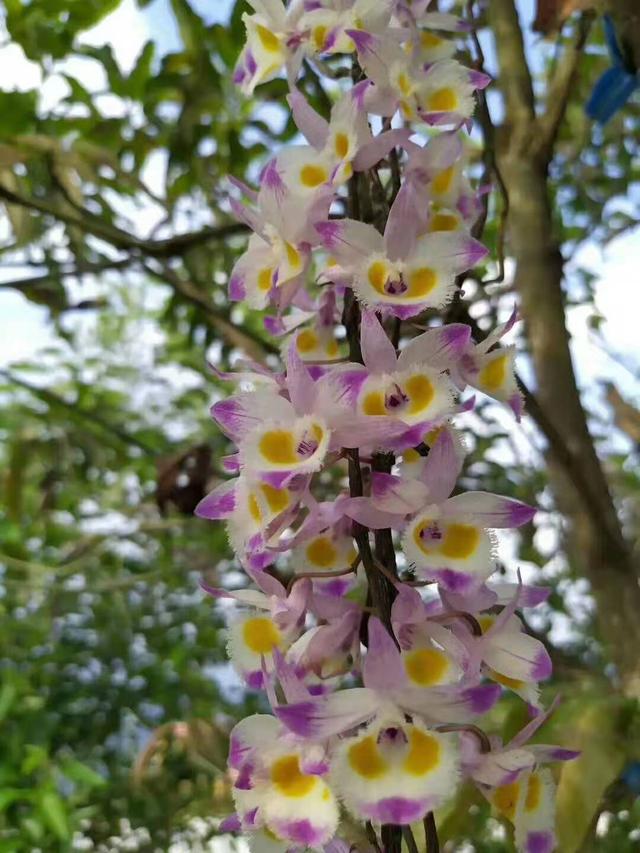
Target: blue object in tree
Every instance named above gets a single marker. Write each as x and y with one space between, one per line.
631 775
617 84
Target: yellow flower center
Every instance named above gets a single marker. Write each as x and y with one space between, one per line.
268 40
411 456
443 100
443 222
460 541
373 404
506 680
424 753
485 623
254 509
442 181
378 274
420 391
293 255
426 667
322 552
332 349
306 341
365 759
277 499
277 446
261 635
505 799
289 779
341 145
319 36
534 793
428 39
265 278
403 84
493 374
422 281
312 176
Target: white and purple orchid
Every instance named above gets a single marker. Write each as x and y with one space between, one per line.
344 499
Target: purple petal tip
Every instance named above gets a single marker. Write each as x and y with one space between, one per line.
539 842
520 513
482 699
543 667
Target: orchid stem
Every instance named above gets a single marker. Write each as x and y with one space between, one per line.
431 834
409 840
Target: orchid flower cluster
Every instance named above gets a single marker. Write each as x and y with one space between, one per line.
374 698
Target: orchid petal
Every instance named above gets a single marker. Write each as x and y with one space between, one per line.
378 353
488 510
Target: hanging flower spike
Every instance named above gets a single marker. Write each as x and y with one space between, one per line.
279 252
375 703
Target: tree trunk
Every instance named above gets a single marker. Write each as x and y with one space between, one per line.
595 538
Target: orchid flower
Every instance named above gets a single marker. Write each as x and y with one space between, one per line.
440 95
255 511
445 539
388 694
399 272
279 251
272 41
279 785
405 387
274 620
491 370
436 191
328 22
337 147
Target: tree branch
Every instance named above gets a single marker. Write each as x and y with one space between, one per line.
516 83
559 91
91 224
89 416
238 336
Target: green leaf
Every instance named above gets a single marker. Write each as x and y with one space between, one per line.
54 813
192 29
11 795
8 694
18 110
36 756
78 772
139 77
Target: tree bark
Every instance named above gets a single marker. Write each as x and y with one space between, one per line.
596 541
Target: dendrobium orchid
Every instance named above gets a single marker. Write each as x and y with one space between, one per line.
399 272
370 618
